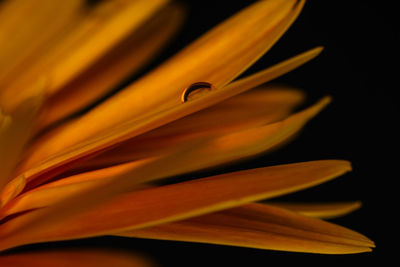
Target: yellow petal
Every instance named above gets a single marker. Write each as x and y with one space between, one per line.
113 67
261 226
321 210
254 108
67 257
174 202
55 143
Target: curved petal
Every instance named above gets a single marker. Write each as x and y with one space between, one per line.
49 164
202 61
172 202
251 109
261 226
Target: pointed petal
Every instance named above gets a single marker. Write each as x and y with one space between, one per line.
250 142
221 149
113 67
67 257
261 226
55 143
204 60
251 109
143 101
176 202
321 210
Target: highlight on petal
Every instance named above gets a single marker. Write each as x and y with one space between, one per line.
321 210
261 226
77 257
54 143
157 205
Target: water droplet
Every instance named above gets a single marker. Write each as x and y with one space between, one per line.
196 90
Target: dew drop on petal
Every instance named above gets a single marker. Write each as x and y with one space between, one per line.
196 90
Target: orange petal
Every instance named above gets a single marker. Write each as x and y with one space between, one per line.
173 202
217 150
254 108
202 61
115 66
53 143
128 16
14 134
88 194
27 22
52 192
100 30
242 144
321 210
67 257
261 226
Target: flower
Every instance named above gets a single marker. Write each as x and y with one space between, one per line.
70 174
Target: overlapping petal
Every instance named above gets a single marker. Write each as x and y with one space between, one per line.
157 205
50 142
91 175
261 226
160 91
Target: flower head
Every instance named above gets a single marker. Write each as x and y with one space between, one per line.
70 174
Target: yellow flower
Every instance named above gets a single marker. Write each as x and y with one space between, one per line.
68 174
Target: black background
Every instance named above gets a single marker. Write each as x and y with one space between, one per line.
355 68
